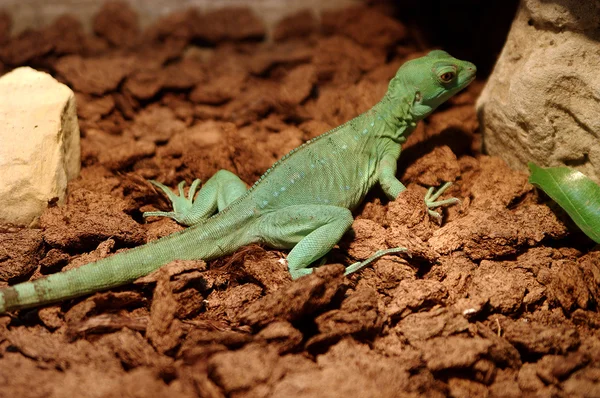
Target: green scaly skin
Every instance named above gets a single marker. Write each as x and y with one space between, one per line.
303 202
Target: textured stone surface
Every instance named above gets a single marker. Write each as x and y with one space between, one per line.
39 143
542 101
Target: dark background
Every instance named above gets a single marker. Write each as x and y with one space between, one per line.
469 29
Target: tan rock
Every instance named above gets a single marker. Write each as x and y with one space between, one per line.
542 101
39 144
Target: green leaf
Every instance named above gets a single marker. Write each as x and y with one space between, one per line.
574 192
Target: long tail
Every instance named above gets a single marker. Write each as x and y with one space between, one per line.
207 240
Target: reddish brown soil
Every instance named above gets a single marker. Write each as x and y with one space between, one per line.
499 299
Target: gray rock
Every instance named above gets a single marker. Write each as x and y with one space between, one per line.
39 144
542 101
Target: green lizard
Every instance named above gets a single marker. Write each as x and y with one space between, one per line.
303 202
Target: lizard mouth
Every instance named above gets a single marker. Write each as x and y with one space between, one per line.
473 73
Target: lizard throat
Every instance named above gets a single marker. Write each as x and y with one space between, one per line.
396 117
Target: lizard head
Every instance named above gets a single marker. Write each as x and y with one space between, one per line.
429 81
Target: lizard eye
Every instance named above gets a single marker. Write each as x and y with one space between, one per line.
447 77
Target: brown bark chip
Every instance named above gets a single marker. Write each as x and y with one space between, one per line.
282 335
104 249
20 251
156 124
502 352
434 169
349 369
409 210
233 23
401 236
144 84
93 109
218 90
297 85
583 383
366 26
343 61
301 298
237 371
490 234
15 376
204 340
117 22
133 350
5 26
453 352
270 56
437 322
360 315
183 74
415 295
459 388
335 105
551 369
386 274
267 269
528 379
164 331
94 75
491 183
51 317
115 152
88 219
52 350
566 285
144 383
105 323
232 302
590 266
299 24
26 47
175 28
367 237
534 338
67 36
205 147
502 285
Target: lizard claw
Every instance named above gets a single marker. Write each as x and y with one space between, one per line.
431 200
181 205
434 214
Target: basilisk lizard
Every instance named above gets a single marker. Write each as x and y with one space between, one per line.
303 202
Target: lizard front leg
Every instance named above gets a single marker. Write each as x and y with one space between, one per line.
393 187
219 192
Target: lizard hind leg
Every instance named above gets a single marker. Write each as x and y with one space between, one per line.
431 199
310 230
216 194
